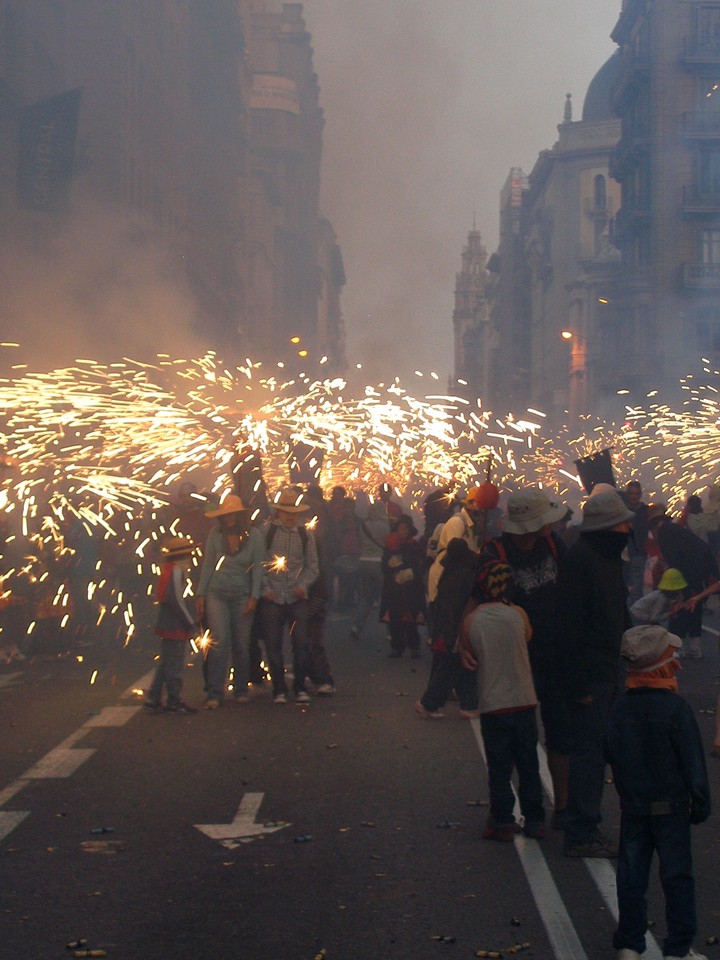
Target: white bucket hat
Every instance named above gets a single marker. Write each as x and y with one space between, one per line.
530 510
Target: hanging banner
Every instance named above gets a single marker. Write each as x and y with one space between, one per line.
46 151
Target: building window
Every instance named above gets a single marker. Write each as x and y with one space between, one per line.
710 252
708 20
710 172
708 332
600 192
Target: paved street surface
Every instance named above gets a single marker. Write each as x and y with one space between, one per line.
266 832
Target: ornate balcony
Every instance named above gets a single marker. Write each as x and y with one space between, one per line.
634 69
701 276
701 51
702 124
697 203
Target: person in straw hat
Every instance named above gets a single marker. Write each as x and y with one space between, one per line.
291 570
228 592
175 625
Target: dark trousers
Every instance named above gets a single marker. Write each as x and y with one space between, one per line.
586 778
639 838
511 743
169 672
447 674
319 667
275 616
404 633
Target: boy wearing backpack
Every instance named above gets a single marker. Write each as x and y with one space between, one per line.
291 570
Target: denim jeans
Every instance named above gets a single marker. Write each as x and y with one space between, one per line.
586 777
169 672
275 616
511 742
229 628
639 838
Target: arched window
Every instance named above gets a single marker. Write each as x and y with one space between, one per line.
600 192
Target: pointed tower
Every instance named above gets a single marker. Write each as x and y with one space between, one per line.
470 314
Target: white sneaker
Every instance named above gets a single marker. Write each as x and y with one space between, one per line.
325 690
302 697
627 954
690 955
280 698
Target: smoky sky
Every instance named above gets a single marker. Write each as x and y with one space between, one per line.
428 105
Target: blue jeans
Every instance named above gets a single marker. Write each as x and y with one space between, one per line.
511 742
229 627
586 778
169 672
275 616
639 838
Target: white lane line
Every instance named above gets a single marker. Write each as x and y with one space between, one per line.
601 871
553 913
142 684
9 819
113 717
58 763
64 759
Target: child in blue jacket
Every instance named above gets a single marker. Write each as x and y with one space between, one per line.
654 747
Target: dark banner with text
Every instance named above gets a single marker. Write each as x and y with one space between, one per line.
46 151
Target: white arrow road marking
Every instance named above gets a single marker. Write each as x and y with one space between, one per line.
243 828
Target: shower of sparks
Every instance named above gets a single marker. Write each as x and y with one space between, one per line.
92 452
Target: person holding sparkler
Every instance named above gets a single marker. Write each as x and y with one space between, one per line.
290 572
228 592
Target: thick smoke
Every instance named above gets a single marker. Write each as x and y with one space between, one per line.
428 105
97 290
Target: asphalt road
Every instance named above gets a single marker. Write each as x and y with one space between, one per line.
348 826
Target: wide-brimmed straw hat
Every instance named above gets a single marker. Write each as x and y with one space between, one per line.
231 504
176 547
290 501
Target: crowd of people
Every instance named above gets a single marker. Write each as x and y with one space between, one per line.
527 615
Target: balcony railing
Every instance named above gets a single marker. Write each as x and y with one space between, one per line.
701 50
701 276
702 124
632 216
695 201
634 68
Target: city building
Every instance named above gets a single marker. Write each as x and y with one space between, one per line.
668 162
163 158
547 330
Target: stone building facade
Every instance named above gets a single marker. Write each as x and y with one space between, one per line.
196 140
668 162
546 327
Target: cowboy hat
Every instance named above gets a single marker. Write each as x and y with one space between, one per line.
176 547
231 504
289 501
